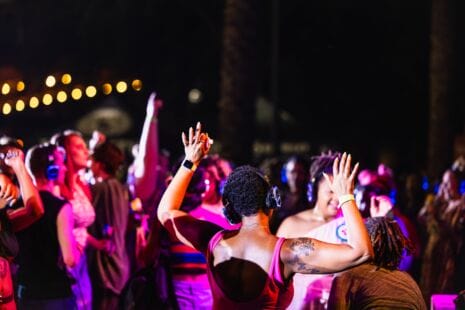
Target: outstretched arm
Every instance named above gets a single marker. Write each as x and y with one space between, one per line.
146 161
187 229
307 255
33 209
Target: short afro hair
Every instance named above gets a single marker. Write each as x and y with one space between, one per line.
245 192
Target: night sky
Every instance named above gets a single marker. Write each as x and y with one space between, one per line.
352 74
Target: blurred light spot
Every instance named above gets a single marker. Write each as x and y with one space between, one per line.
62 96
6 88
20 105
91 91
47 99
76 94
6 108
121 87
107 88
66 78
20 86
50 81
195 95
34 102
136 85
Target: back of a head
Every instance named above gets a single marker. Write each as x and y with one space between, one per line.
38 159
388 242
245 193
109 155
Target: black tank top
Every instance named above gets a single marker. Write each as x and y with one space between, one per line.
42 273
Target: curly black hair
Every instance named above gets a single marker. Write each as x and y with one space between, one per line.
322 163
388 242
245 193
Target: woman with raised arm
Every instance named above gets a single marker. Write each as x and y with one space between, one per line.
251 268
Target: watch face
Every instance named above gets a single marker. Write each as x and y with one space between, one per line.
188 164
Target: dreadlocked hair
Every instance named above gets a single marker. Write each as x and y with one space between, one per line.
322 163
388 242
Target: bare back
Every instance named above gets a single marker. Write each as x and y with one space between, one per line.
241 262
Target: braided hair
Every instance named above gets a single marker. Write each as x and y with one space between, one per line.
388 242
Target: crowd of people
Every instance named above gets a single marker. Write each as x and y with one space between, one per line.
78 232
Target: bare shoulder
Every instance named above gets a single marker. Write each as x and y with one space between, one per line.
296 225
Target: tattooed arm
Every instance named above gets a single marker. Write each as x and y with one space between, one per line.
307 255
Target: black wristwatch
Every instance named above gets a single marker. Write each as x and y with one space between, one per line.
189 165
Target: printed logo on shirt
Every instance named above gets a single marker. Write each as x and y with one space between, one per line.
341 232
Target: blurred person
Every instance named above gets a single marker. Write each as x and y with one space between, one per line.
146 180
76 190
378 283
322 222
109 270
272 167
250 268
147 241
381 189
146 167
20 206
443 216
294 194
188 265
48 245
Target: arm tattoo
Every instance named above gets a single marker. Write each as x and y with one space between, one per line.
300 248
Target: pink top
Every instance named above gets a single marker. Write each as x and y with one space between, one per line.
83 213
275 294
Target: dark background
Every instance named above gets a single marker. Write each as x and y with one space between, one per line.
353 75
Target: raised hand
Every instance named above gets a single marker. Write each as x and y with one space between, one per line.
153 105
15 159
380 205
196 144
8 191
342 182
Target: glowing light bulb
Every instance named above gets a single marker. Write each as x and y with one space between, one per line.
50 81
33 102
121 87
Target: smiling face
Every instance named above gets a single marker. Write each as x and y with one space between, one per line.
327 202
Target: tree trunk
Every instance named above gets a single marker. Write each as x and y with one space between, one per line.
238 88
442 86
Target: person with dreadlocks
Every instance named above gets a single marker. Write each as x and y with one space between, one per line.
322 221
378 283
250 268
